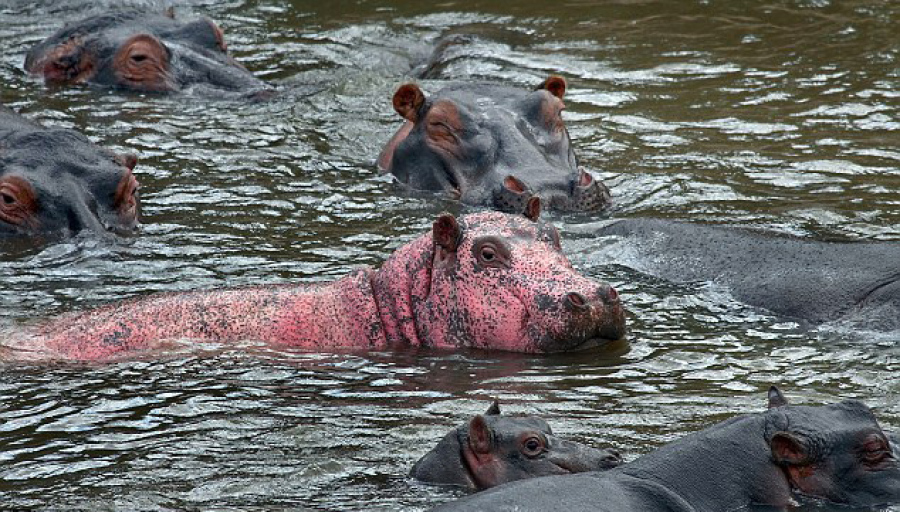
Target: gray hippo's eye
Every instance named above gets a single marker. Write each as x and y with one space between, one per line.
533 446
7 198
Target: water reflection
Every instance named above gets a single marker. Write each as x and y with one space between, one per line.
779 115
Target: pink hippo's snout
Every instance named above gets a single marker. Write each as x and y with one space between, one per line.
590 316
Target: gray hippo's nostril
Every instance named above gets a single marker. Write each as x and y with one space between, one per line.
575 300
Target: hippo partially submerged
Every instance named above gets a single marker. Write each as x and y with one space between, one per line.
810 281
141 51
834 453
55 182
492 145
493 449
489 280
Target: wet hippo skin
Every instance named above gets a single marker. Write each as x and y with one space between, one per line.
141 51
811 281
490 280
836 453
492 145
493 449
54 182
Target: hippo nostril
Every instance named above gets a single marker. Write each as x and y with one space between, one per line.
584 178
607 293
612 460
576 300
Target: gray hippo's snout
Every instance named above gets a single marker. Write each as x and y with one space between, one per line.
583 193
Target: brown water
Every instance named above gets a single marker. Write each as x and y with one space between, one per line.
774 114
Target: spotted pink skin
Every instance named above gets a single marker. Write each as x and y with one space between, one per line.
422 296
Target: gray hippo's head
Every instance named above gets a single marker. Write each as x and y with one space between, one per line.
837 453
140 51
493 449
491 145
55 181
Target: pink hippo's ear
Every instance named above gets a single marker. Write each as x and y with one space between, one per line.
479 435
408 100
533 208
776 398
446 233
555 85
789 450
494 409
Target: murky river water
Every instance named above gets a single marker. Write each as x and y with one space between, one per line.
774 114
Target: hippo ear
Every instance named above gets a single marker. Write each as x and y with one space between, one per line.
128 160
408 100
67 63
494 409
789 450
776 398
479 435
555 85
169 12
446 232
533 208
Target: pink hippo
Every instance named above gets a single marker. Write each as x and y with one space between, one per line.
489 280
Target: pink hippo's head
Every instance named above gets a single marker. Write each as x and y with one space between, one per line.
495 281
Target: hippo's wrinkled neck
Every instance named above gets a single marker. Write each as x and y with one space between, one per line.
399 285
724 468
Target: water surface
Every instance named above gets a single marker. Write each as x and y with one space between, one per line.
778 115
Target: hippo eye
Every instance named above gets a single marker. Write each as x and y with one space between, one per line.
139 58
491 252
533 446
8 198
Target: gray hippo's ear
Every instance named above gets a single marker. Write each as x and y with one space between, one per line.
408 100
129 160
776 398
555 85
479 435
446 232
789 449
67 63
533 208
169 12
494 409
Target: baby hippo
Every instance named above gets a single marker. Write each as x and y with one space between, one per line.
492 449
140 51
488 280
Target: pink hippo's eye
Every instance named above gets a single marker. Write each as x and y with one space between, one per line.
533 446
491 252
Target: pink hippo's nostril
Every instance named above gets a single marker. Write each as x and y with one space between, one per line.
575 300
607 293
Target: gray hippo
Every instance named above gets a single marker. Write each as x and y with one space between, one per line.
810 281
493 449
141 51
490 281
834 453
55 182
491 145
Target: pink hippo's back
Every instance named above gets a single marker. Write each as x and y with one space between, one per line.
338 314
